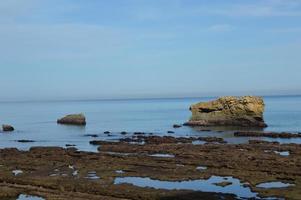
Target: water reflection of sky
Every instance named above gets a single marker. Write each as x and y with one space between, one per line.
37 120
203 185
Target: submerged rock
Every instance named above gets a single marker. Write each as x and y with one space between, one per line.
74 119
229 111
7 128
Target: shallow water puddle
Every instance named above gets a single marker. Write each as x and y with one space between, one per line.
198 142
17 172
203 185
161 155
92 176
28 197
75 173
283 153
201 168
118 153
275 184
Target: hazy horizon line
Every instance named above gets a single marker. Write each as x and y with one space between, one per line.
139 98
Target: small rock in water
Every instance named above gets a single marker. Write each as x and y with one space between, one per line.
70 145
138 133
107 132
223 184
74 119
25 141
7 128
123 133
170 132
177 126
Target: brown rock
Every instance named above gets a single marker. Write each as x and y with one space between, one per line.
74 119
229 111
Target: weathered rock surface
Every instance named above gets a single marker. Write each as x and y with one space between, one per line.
229 111
74 119
7 128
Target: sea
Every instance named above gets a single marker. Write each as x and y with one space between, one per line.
37 120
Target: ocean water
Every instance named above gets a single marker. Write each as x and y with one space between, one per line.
37 120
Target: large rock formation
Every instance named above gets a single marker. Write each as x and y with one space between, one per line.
74 119
7 128
229 111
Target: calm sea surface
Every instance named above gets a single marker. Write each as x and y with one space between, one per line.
37 120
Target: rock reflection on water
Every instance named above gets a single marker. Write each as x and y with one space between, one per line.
202 185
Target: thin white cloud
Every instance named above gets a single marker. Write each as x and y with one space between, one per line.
267 8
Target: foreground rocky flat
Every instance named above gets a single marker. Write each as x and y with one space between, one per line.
57 173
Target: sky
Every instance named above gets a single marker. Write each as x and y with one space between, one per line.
91 49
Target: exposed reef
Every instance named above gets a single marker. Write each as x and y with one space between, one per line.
57 173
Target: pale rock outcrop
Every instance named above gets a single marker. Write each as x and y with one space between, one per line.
229 111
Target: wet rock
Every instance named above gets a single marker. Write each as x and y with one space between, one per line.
74 119
212 140
170 132
123 133
107 132
7 128
223 184
91 135
244 111
177 126
266 134
70 145
25 141
170 139
139 133
100 142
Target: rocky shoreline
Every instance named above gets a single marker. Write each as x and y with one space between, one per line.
57 173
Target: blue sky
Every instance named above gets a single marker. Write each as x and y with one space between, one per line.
85 49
